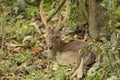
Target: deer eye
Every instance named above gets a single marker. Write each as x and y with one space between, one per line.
57 37
50 46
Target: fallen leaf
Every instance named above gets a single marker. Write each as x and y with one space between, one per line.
93 69
67 39
11 44
113 78
54 66
78 72
16 50
36 50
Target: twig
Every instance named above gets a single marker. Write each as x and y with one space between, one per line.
3 32
83 8
56 10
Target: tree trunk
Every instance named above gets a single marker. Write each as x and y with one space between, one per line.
93 28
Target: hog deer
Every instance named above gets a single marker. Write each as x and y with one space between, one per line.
70 52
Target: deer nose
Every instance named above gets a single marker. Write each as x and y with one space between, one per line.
50 46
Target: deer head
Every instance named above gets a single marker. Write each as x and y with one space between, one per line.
53 36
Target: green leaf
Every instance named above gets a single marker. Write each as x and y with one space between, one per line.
26 38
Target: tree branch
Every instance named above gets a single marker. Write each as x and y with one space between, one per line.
56 10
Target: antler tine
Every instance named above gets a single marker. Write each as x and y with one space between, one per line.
44 20
61 22
67 12
43 17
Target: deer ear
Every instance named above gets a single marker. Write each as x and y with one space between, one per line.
57 30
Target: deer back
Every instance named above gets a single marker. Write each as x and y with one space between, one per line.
71 51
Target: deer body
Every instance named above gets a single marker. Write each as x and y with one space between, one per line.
70 52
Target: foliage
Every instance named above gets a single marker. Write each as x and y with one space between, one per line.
21 36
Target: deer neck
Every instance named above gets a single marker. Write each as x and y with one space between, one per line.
59 46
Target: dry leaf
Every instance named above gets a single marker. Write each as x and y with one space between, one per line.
16 50
67 39
36 50
86 37
113 78
11 44
93 69
54 66
78 72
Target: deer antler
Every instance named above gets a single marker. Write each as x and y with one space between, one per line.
67 12
44 20
43 17
61 22
42 14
